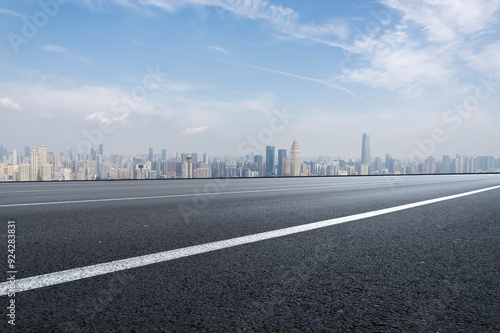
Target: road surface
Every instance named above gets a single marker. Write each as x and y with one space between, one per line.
395 253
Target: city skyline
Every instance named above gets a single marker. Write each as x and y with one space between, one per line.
42 165
411 74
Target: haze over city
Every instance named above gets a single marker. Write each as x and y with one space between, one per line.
204 76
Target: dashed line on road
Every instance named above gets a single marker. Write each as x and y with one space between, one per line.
76 274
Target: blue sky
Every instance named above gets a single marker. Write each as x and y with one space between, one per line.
399 70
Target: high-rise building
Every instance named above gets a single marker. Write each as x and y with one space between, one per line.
24 172
205 158
281 154
150 156
459 164
101 149
445 164
391 166
14 156
258 159
365 150
34 164
388 157
378 163
270 160
163 154
295 159
285 166
42 155
187 168
46 172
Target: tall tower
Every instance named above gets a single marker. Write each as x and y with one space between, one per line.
150 157
281 154
187 168
295 159
270 160
14 156
163 154
366 157
34 163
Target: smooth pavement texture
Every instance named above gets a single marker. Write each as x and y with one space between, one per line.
429 268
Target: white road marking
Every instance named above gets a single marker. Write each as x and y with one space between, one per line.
186 195
76 274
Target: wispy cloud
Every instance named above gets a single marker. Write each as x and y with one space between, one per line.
195 130
55 48
10 12
219 49
65 51
9 104
301 77
283 20
427 46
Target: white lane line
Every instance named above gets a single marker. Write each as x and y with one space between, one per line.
186 195
75 274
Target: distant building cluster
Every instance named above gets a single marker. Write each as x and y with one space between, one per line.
41 165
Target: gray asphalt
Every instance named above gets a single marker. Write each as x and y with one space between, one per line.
431 268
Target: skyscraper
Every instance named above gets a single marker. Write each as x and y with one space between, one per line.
187 168
42 155
150 157
34 163
270 160
445 166
281 154
295 159
163 154
101 149
366 157
14 156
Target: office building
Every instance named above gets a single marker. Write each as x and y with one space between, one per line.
365 150
163 154
150 156
270 160
34 165
24 172
295 159
282 153
42 155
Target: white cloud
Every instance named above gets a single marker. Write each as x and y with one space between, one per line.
283 20
55 48
219 49
427 46
63 50
9 104
486 60
447 20
195 130
301 77
10 12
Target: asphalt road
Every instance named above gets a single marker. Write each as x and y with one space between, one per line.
430 268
